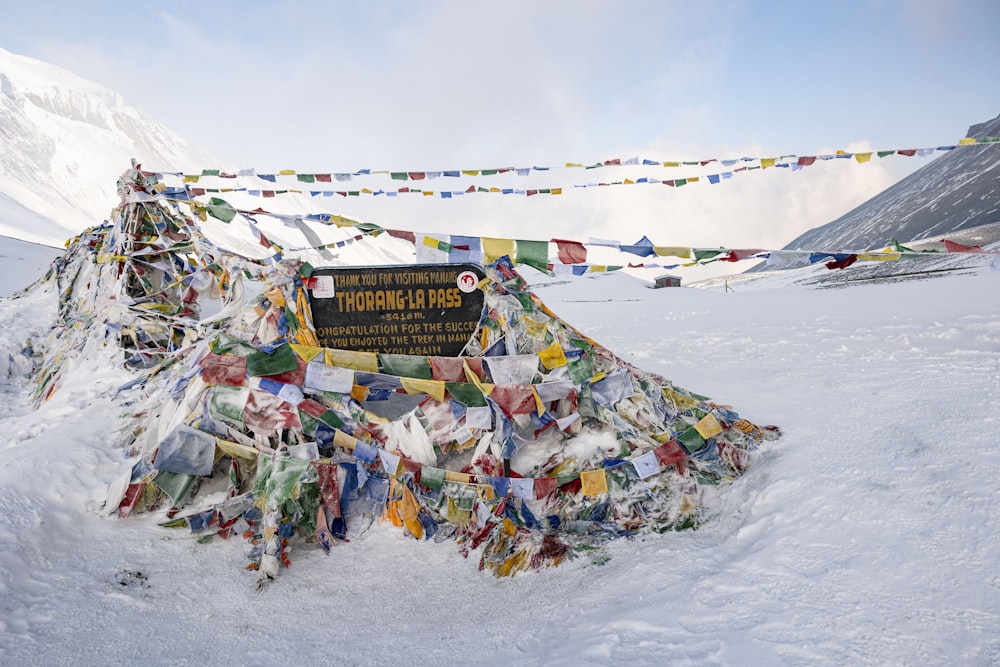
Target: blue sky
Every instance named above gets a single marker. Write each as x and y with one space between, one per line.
339 86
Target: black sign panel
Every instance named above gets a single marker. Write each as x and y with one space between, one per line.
422 309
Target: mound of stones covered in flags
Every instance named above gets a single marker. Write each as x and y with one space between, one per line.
528 445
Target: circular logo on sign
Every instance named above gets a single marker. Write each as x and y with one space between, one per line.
467 281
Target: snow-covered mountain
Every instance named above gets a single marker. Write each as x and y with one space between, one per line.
957 191
63 143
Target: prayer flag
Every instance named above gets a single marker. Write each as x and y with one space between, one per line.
708 426
186 451
533 253
646 465
523 487
594 482
494 249
328 378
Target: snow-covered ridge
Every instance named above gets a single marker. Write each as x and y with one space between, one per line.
64 141
956 191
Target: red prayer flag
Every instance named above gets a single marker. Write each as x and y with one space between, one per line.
514 399
807 160
229 370
909 152
571 252
951 246
544 486
328 488
312 408
402 234
671 453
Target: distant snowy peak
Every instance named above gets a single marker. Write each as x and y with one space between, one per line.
65 140
957 191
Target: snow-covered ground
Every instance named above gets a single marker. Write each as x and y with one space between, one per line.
868 535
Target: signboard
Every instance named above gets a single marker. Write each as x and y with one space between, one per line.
422 309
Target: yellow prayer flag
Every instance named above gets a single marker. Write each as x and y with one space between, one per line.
408 512
968 141
708 427
862 157
534 329
470 172
191 178
494 189
574 164
494 249
428 193
557 191
286 172
879 256
628 181
766 162
679 400
275 296
341 439
431 242
433 388
594 482
552 356
236 450
359 361
366 191
539 406
598 268
453 476
307 352
359 393
671 164
672 251
693 179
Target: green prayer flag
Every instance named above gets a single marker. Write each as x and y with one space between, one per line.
691 439
567 477
220 209
332 419
580 370
209 172
406 365
399 175
306 178
227 403
525 300
533 253
885 153
309 424
281 360
585 402
369 228
703 253
306 270
285 474
175 485
432 478
227 344
466 393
